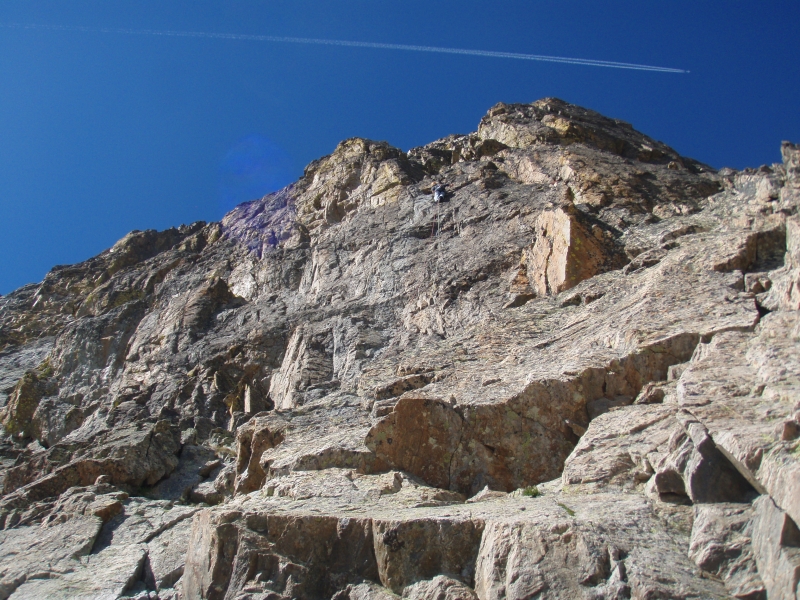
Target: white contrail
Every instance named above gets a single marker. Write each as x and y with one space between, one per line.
297 40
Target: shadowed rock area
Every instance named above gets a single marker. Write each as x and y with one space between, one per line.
575 376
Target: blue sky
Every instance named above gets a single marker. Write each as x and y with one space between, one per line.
102 133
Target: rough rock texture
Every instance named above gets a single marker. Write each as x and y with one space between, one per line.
721 544
575 377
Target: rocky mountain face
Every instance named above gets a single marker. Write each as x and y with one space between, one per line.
577 376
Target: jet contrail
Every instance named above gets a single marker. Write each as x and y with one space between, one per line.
323 42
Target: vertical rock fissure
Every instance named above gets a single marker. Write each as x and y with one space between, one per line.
457 447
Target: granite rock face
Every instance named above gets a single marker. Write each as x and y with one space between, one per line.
575 376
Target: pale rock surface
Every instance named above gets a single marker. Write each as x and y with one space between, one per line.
567 543
575 377
31 552
776 545
439 588
365 591
721 544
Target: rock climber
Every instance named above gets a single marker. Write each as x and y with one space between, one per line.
438 191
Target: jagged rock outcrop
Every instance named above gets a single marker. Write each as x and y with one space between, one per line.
575 377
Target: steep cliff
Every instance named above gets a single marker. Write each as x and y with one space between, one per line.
577 376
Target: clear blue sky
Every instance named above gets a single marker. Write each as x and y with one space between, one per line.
102 133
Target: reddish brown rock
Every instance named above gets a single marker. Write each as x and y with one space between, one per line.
566 252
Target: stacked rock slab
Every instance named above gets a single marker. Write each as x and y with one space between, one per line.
576 377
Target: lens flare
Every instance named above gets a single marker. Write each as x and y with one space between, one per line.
252 167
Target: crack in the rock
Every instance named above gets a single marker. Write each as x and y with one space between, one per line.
169 525
457 447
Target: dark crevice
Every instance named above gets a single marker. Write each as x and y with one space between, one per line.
457 447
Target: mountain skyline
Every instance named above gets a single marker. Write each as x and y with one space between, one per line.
105 133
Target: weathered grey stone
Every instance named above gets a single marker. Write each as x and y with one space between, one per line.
740 387
132 548
191 462
720 544
34 552
580 329
776 545
410 540
105 576
311 557
439 588
693 468
16 361
166 555
408 551
365 591
785 283
621 447
562 555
